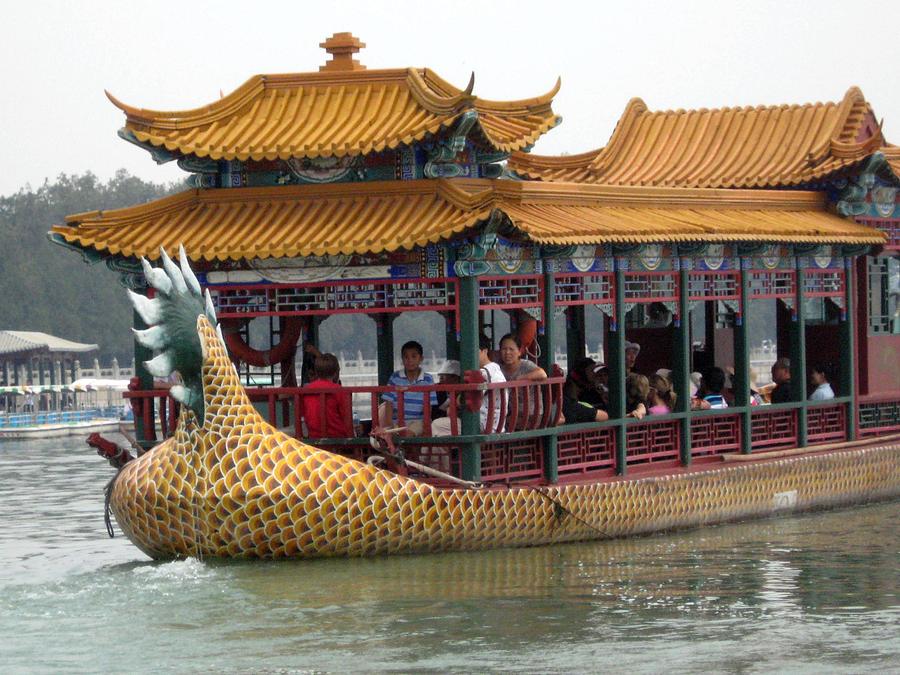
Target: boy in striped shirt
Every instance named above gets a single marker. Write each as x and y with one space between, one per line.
413 402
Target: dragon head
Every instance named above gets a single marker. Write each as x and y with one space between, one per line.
172 319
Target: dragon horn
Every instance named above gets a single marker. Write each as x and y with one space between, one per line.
160 365
154 337
149 310
187 272
172 271
156 278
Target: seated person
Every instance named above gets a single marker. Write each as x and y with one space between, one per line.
575 410
821 380
449 374
512 364
514 367
491 373
598 393
632 349
781 376
709 395
662 398
637 389
413 402
755 395
338 414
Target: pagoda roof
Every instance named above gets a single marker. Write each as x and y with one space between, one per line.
747 147
348 218
344 109
18 341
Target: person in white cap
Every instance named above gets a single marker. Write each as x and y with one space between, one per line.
632 349
449 373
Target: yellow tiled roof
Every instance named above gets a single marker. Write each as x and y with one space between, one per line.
722 148
301 220
892 155
342 110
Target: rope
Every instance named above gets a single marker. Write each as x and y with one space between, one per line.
107 494
559 510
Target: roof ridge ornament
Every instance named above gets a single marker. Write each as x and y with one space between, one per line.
342 47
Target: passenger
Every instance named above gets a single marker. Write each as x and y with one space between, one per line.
637 388
632 349
450 373
821 378
514 367
781 376
512 364
413 402
695 383
575 409
492 374
755 396
597 394
662 398
710 391
338 416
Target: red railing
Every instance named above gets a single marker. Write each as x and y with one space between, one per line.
519 460
826 423
150 406
715 434
652 441
879 414
773 429
511 406
581 452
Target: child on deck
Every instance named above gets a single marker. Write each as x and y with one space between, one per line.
662 398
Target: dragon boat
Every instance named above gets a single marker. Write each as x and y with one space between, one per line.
325 197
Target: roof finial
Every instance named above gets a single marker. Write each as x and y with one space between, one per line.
342 47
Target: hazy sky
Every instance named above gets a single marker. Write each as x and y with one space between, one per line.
58 57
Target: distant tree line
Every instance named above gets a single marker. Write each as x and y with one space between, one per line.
50 289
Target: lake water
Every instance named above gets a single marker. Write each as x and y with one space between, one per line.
809 593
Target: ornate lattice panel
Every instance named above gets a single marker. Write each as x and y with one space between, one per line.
824 283
586 451
511 291
879 416
715 434
651 287
773 284
652 442
584 289
337 297
441 457
512 460
890 226
826 423
771 429
714 286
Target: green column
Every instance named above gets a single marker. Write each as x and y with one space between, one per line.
141 354
468 360
385 337
548 350
798 354
742 356
682 364
616 363
40 368
848 347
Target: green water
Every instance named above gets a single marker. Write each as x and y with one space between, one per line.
809 593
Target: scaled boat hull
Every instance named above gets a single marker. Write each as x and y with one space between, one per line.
234 486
